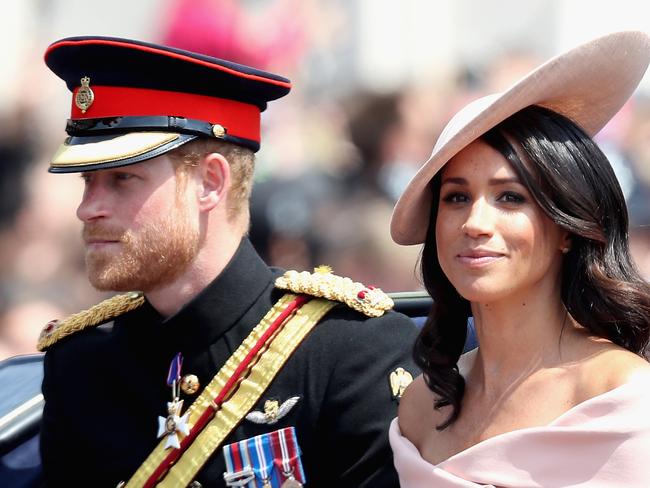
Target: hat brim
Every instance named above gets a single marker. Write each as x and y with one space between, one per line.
588 84
79 154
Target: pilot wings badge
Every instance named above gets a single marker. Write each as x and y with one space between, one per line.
273 411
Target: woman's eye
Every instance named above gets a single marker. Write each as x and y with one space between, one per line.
512 197
455 197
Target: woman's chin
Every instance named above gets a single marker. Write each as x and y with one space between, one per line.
481 294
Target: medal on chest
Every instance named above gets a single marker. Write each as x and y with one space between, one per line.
287 454
270 460
291 483
174 423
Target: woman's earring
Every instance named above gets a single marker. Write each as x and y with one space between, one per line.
565 250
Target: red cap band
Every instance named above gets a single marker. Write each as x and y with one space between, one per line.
240 119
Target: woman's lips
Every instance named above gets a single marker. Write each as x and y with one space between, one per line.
479 258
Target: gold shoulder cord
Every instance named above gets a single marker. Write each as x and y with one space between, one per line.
96 315
369 300
243 399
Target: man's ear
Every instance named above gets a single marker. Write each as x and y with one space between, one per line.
215 181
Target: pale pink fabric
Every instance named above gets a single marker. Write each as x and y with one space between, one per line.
603 442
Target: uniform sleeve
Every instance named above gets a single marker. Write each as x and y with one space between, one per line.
61 457
359 404
53 442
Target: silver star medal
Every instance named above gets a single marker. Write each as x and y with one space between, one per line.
173 424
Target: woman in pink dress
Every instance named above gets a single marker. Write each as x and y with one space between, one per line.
525 229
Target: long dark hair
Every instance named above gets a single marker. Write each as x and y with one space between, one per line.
572 181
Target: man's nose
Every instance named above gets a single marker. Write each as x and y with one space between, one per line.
93 204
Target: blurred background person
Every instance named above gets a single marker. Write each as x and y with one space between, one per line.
337 152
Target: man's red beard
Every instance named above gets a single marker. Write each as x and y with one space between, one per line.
144 259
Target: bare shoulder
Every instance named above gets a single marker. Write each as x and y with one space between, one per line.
610 366
622 365
417 416
416 411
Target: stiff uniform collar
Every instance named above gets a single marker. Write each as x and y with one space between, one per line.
222 303
213 311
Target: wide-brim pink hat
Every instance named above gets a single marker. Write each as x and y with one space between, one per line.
588 84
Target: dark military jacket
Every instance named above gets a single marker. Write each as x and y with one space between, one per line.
105 387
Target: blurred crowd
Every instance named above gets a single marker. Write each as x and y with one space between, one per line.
335 158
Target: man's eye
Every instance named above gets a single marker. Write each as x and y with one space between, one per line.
123 176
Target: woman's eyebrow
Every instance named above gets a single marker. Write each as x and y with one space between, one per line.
492 181
503 181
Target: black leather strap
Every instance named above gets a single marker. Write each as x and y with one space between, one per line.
93 127
122 125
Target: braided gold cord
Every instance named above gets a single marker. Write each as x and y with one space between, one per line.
97 314
368 300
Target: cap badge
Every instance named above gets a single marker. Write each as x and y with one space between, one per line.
399 380
273 411
85 96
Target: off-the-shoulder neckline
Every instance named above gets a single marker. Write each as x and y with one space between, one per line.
634 379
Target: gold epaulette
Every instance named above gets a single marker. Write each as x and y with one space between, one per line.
368 300
56 330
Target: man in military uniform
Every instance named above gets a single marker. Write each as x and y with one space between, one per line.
220 370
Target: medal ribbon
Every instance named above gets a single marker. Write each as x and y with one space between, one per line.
251 454
286 454
263 460
174 374
238 470
175 369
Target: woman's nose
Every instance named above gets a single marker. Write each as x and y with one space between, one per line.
480 219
